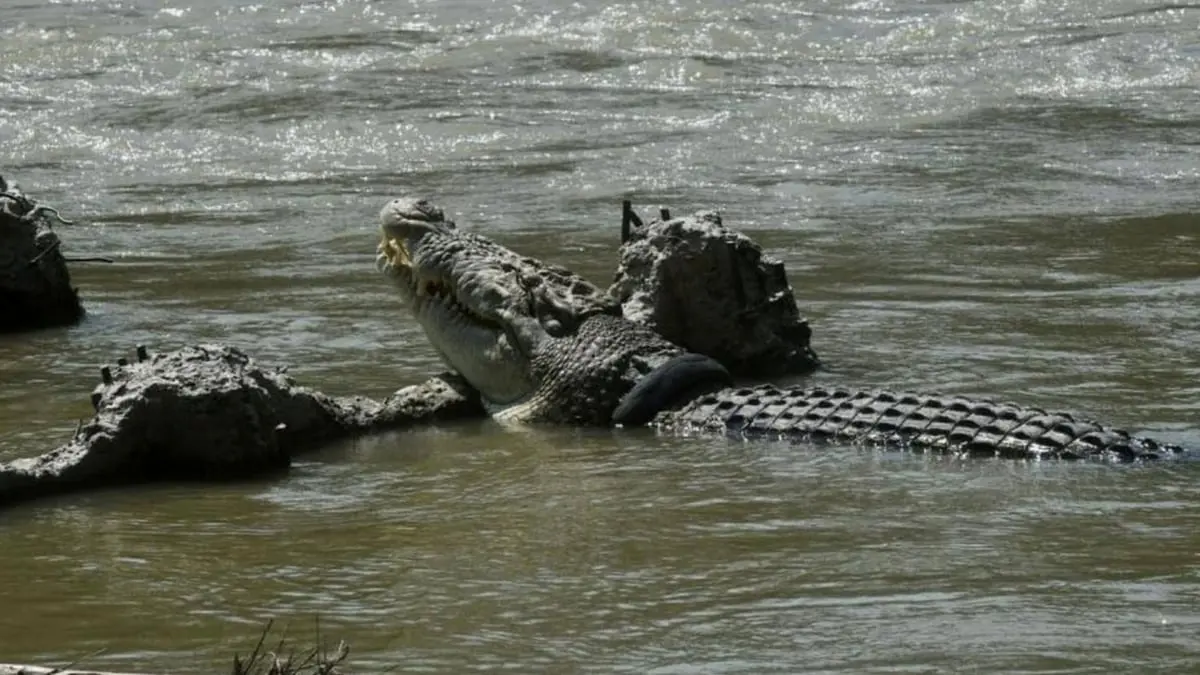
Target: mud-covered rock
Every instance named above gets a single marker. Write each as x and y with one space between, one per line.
35 285
712 290
210 412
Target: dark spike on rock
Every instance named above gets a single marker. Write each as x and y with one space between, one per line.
122 362
626 210
665 214
141 353
629 220
96 400
106 375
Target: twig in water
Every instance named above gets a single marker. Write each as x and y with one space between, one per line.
99 259
56 244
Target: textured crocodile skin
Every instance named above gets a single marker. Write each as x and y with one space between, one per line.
922 422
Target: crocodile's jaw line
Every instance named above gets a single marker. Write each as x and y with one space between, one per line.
482 350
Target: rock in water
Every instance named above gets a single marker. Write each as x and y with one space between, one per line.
35 285
209 412
711 290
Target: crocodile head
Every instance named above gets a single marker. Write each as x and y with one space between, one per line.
536 340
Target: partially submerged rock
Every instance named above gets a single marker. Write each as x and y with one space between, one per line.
35 285
210 412
711 290
441 398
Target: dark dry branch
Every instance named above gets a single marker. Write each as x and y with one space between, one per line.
284 660
629 220
49 249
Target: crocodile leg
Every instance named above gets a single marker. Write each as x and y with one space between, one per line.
919 422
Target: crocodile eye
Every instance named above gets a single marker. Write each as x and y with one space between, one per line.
430 288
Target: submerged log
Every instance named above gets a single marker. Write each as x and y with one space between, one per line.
210 412
35 285
711 290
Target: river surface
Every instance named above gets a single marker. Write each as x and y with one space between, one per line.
995 198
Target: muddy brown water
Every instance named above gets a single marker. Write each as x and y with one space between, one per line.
987 198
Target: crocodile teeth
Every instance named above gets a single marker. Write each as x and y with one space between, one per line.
396 253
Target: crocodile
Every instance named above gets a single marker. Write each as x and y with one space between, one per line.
542 345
